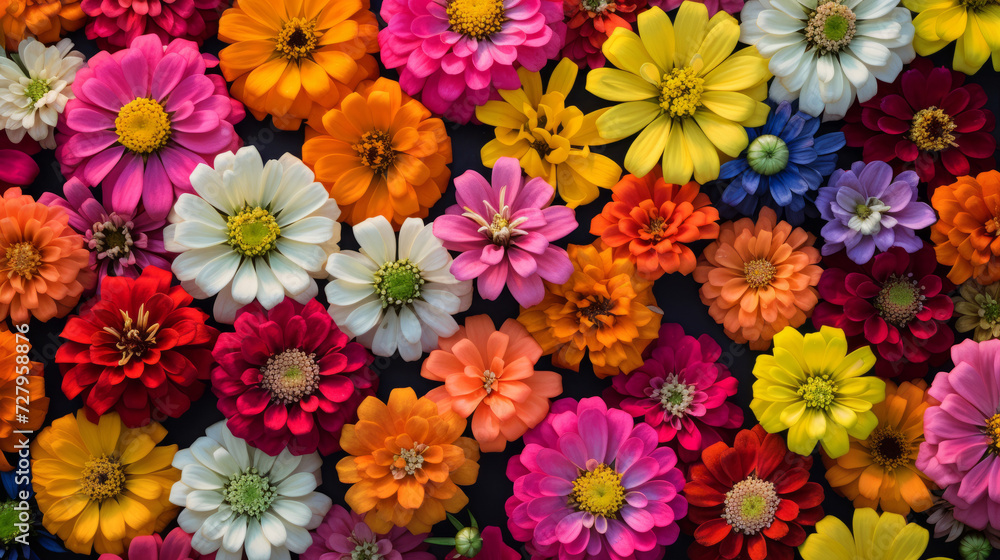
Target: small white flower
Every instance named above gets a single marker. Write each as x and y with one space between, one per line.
252 231
35 88
239 499
392 299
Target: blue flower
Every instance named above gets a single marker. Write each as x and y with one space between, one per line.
37 536
783 162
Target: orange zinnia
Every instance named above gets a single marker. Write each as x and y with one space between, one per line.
489 374
968 226
381 154
604 308
881 470
30 394
759 278
405 462
45 20
648 221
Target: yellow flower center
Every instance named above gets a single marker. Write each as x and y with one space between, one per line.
599 492
397 283
993 431
253 231
831 27
751 505
476 18
36 90
24 259
818 391
759 272
407 461
680 92
375 151
143 126
103 477
888 448
135 337
290 376
931 130
978 4
297 39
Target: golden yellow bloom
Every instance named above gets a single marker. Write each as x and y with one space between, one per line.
876 537
973 25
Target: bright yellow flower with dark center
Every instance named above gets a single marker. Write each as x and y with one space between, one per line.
973 25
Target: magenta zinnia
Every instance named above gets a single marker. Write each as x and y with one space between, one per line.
116 23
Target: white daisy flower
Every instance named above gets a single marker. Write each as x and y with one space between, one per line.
396 299
826 53
34 89
252 231
237 499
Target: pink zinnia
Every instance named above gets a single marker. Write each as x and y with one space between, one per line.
177 546
590 481
18 169
962 449
116 23
345 535
459 52
506 233
681 390
289 378
143 118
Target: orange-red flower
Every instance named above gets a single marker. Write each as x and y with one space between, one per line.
649 221
405 462
29 394
759 278
605 309
968 226
45 20
490 375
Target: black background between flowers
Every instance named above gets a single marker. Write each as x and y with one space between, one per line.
676 295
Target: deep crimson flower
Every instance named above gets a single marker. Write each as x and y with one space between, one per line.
589 24
116 23
290 378
927 120
140 350
751 500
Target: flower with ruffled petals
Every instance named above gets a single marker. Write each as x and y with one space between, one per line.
19 383
942 517
589 23
177 546
977 308
876 537
116 23
45 20
967 227
18 169
344 535
34 89
971 25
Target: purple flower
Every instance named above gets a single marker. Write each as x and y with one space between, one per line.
867 208
345 535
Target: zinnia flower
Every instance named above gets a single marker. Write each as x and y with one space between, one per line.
813 388
649 221
491 546
24 403
45 20
14 485
927 120
876 537
941 516
43 264
605 310
784 162
682 391
970 25
589 23
506 232
101 485
18 169
252 232
35 88
288 378
489 375
405 460
344 535
393 299
729 6
751 500
827 53
458 53
967 227
759 278
550 139
684 88
589 480
880 471
177 546
978 309
142 137
116 23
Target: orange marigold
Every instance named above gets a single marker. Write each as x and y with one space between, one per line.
881 470
381 153
605 308
968 226
649 221
45 20
13 392
406 460
759 278
43 262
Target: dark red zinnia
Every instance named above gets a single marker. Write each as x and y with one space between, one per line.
140 350
589 23
289 378
750 501
927 120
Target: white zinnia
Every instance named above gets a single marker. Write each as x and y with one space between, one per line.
392 299
826 53
239 499
252 231
34 90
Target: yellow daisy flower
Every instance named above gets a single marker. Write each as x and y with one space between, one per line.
876 537
974 26
681 84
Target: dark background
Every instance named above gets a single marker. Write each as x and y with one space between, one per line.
677 295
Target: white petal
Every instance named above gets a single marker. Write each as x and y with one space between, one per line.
292 277
298 539
191 207
297 485
407 234
352 266
341 292
387 334
774 21
377 240
292 511
305 255
314 229
196 235
870 9
245 283
248 171
409 325
257 547
219 272
309 200
214 529
825 67
441 323
204 500
200 477
868 51
270 292
233 541
272 529
225 307
207 182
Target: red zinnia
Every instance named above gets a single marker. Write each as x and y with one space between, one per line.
289 378
139 348
589 24
751 500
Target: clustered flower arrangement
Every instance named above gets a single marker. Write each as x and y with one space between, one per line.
175 262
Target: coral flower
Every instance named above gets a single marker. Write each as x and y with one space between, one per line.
177 546
751 501
380 153
966 231
649 222
405 460
876 537
116 23
344 535
977 308
45 20
605 310
15 367
43 263
759 278
489 375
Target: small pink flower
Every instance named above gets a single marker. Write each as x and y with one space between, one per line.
344 535
177 546
18 169
116 23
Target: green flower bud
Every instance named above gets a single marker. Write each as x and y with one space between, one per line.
767 155
468 543
975 546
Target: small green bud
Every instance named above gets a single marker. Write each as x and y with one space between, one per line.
468 542
767 155
975 546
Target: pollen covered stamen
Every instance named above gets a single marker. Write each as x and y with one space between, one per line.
135 337
598 491
500 228
375 151
398 283
477 19
818 391
111 238
297 39
489 380
102 478
249 493
931 130
36 90
143 126
23 259
900 300
252 232
751 505
759 272
993 431
408 461
831 27
889 448
290 376
680 92
675 397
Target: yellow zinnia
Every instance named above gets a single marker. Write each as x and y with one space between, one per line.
974 26
876 537
681 84
817 391
551 140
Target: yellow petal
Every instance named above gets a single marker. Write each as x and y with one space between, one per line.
495 149
498 113
657 34
720 41
951 23
531 84
626 119
971 50
563 77
617 85
729 137
704 155
889 525
729 105
677 165
737 73
910 543
625 50
588 133
690 26
648 146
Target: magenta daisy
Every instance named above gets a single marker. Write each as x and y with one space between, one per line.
344 535
116 23
143 118
591 481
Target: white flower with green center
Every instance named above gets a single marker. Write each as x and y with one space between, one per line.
35 84
396 295
252 232
237 499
